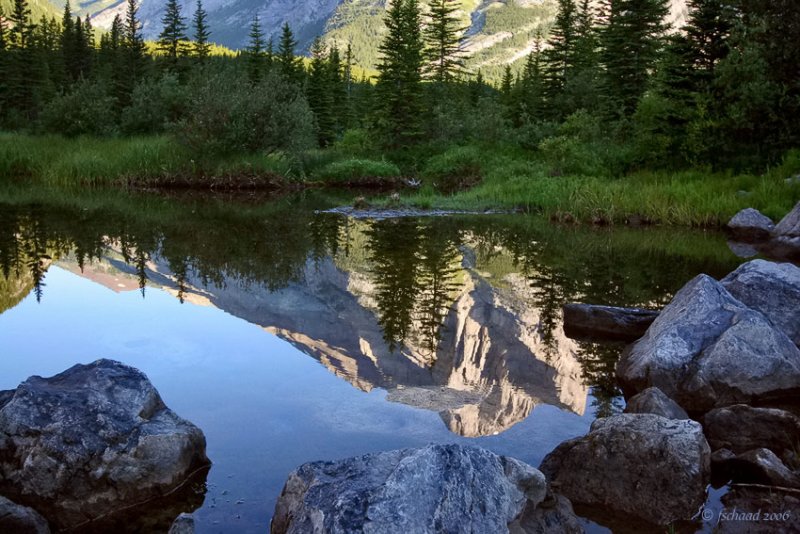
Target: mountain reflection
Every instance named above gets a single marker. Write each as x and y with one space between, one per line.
461 316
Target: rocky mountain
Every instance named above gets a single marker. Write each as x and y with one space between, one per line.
498 32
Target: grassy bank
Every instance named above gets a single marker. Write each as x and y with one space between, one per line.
470 177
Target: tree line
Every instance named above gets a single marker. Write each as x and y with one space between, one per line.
609 76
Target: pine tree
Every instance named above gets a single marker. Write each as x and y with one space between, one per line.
531 95
631 43
172 40
291 66
21 79
560 56
399 90
708 29
255 51
443 52
132 62
320 96
201 48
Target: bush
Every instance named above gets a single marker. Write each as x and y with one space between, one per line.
359 171
356 142
87 109
227 115
455 170
155 104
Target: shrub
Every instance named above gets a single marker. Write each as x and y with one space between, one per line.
455 170
228 115
356 142
363 171
155 104
86 110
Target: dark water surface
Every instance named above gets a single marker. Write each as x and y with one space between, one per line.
290 336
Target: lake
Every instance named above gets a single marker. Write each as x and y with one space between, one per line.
289 335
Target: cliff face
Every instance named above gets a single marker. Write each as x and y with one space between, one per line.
492 367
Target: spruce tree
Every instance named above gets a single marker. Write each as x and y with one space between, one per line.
443 52
21 79
255 51
132 61
531 95
708 29
631 43
172 40
399 90
201 48
560 55
320 96
291 66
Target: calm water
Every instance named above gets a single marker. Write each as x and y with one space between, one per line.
290 336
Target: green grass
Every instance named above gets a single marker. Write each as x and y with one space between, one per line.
358 171
513 180
143 161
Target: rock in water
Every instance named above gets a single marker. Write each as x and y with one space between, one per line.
18 519
653 400
707 349
439 488
742 428
750 225
771 288
183 524
643 465
606 322
786 236
92 440
790 225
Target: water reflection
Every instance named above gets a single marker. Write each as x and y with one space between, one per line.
461 316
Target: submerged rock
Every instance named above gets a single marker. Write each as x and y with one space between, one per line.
653 400
642 465
750 225
606 322
771 288
91 441
707 349
742 428
752 510
21 519
439 488
183 524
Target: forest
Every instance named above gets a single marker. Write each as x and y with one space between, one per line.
614 113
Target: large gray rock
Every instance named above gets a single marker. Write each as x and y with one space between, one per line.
759 466
742 428
606 322
750 225
18 519
643 465
653 400
789 226
439 488
92 440
771 288
707 349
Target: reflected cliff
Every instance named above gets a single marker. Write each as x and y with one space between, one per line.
459 315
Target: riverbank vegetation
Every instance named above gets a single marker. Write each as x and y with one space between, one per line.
614 116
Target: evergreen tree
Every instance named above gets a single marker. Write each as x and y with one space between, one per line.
631 43
291 66
255 52
531 94
21 78
131 64
443 53
3 65
398 90
320 95
560 56
201 48
172 40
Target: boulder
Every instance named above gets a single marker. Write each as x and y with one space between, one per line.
653 400
21 519
642 465
749 510
92 441
183 524
789 226
588 321
438 488
759 466
707 349
771 288
742 428
750 225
